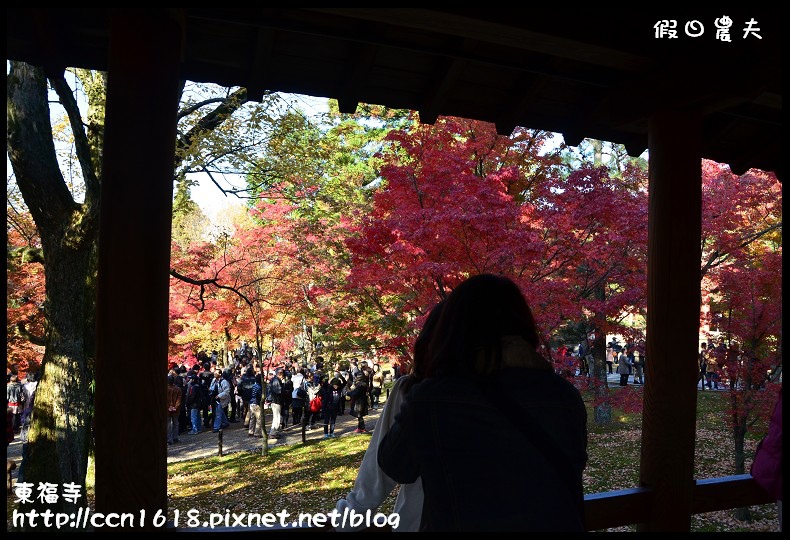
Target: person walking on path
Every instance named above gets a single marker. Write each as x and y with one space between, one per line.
332 395
286 396
206 377
220 389
623 367
377 385
173 408
702 361
314 406
194 402
245 389
610 356
359 399
274 391
638 368
15 399
255 427
299 397
712 371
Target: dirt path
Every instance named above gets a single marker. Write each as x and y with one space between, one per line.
235 439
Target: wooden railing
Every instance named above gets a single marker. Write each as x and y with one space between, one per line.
630 506
621 507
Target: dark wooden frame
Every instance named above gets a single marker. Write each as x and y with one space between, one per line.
144 61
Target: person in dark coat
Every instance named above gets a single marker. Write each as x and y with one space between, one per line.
359 398
256 412
246 383
206 377
485 369
331 396
287 399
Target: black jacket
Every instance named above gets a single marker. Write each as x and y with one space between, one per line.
511 487
245 387
359 398
330 398
274 391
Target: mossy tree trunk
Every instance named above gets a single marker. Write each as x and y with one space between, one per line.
59 439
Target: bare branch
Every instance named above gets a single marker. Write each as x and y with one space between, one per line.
81 145
189 110
212 281
23 332
212 119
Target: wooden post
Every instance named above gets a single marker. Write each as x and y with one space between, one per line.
134 259
673 296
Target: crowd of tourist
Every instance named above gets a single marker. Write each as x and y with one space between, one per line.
205 396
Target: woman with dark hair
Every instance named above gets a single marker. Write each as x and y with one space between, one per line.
331 396
484 369
358 392
372 486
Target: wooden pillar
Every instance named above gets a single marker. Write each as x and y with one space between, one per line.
134 259
673 297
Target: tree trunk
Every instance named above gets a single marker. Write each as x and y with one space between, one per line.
602 412
739 434
59 438
740 427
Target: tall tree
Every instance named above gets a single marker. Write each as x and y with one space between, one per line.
60 435
595 259
68 230
450 205
742 293
313 179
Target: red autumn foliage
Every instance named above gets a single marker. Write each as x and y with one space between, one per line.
25 294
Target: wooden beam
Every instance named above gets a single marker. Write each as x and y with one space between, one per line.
361 60
134 257
442 22
724 493
448 71
673 305
264 44
631 506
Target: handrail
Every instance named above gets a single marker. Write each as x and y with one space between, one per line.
736 491
617 508
629 506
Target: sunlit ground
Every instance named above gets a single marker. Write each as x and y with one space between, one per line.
310 478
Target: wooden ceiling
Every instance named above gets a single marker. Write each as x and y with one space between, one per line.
598 73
